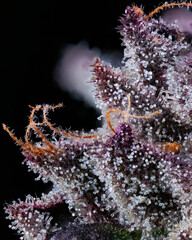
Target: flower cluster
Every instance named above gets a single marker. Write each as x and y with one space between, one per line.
132 178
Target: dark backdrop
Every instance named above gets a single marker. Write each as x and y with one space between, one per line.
33 35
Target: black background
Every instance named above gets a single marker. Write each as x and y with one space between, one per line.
33 35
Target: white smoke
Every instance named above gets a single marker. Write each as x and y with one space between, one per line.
73 71
181 16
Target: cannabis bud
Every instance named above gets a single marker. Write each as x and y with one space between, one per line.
132 178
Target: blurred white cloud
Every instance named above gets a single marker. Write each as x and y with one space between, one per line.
73 71
181 16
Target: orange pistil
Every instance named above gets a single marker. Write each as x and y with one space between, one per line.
49 147
22 144
36 151
166 6
138 10
170 147
127 115
179 35
108 120
60 131
29 147
32 125
156 39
